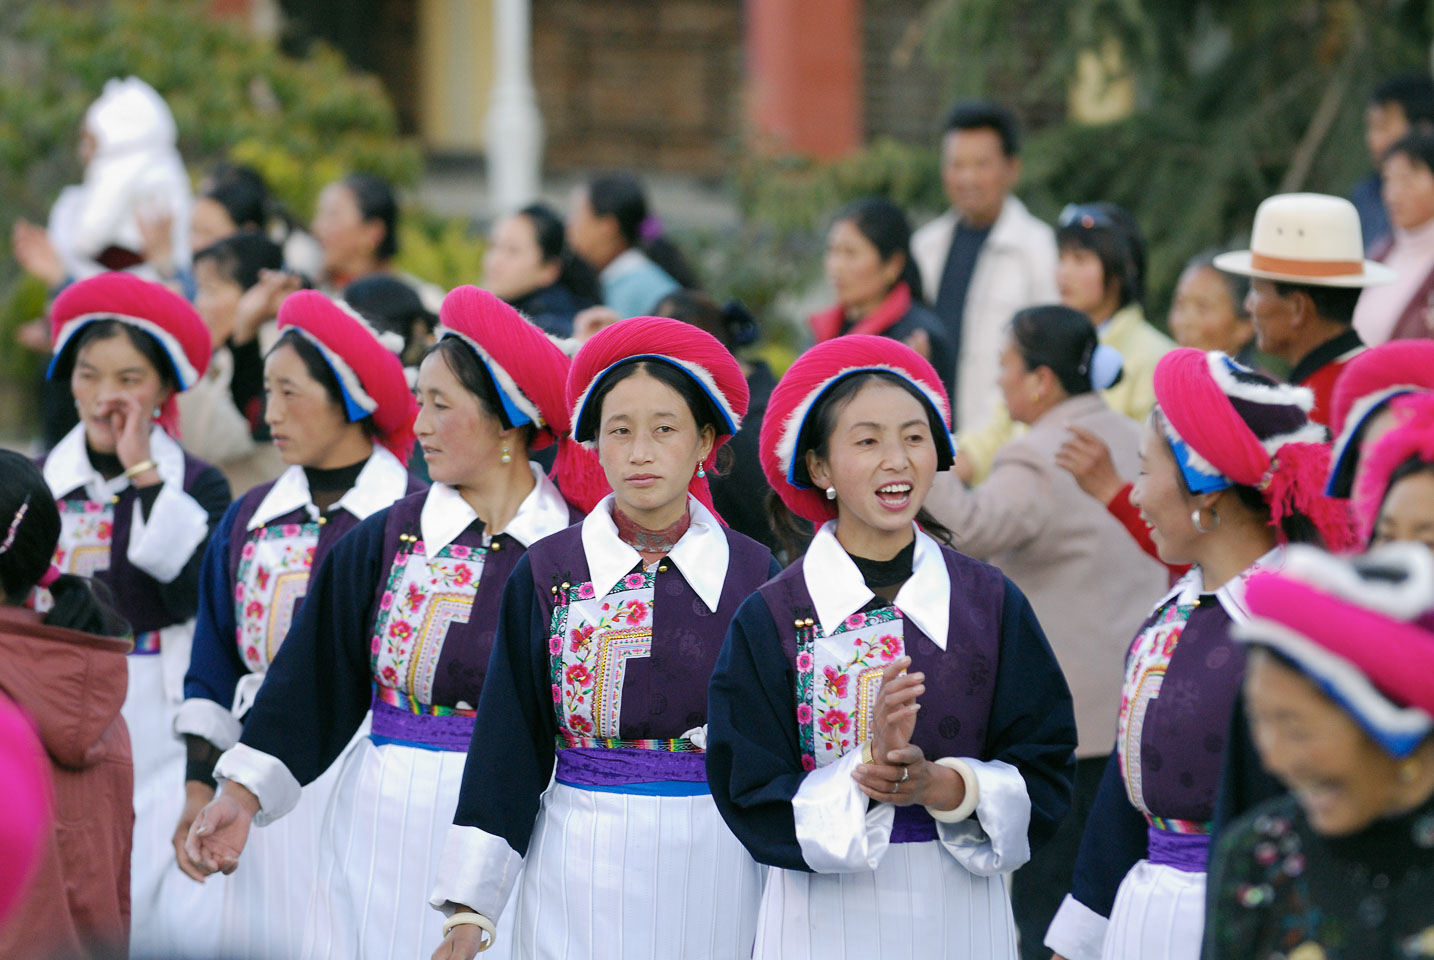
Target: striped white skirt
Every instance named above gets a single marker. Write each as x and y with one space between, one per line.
918 904
266 900
170 915
620 875
1159 911
381 838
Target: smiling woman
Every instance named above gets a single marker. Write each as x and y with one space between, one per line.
598 684
879 820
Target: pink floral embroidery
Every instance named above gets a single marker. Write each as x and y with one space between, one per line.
834 720
416 595
578 674
809 763
248 550
291 529
105 529
557 694
386 600
581 637
636 612
460 553
463 576
93 506
555 646
634 581
804 713
254 610
585 591
890 647
804 661
856 621
836 682
400 630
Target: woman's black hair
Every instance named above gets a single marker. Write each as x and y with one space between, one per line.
240 256
792 531
29 547
1111 233
1416 147
620 195
241 191
733 325
141 341
319 369
1062 339
704 411
1410 467
1294 526
884 224
574 272
473 374
376 201
393 306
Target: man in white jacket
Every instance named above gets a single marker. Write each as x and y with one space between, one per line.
987 256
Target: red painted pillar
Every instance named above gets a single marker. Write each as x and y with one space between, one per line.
804 75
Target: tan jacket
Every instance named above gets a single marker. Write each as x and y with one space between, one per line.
71 685
1090 584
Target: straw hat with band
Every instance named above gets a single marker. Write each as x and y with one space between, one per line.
1306 238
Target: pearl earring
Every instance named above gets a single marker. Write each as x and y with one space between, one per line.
506 457
831 493
701 472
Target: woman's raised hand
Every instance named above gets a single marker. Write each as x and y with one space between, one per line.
1087 458
221 830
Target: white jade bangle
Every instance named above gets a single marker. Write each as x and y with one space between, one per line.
973 792
477 920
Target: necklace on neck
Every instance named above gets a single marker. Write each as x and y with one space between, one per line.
650 543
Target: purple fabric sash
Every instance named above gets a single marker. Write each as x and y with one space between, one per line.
912 825
1189 852
620 766
421 730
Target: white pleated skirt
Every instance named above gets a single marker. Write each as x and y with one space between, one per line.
171 915
619 875
918 904
378 852
1159 911
266 900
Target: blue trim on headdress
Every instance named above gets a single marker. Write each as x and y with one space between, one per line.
816 401
718 405
75 334
513 415
1341 469
1197 480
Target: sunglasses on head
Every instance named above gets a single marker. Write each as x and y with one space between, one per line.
1086 215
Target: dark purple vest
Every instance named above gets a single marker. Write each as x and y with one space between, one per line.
463 661
136 595
664 695
960 680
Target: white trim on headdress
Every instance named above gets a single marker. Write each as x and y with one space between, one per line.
501 377
701 374
1273 394
390 341
1359 412
348 379
183 369
792 426
1405 600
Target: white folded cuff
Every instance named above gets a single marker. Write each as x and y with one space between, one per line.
163 544
838 828
476 870
996 840
1077 932
264 776
205 718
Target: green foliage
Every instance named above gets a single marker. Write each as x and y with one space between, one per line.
441 250
1235 101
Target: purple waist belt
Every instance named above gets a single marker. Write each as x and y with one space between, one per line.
628 770
912 825
1189 852
425 731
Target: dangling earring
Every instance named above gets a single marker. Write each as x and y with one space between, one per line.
1196 519
1408 771
506 457
831 493
701 472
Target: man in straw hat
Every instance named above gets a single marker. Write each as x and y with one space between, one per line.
1306 267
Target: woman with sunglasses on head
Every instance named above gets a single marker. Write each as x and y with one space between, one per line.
883 825
599 683
1231 470
136 513
1101 273
399 619
341 413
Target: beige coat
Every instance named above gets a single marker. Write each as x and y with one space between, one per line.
1090 584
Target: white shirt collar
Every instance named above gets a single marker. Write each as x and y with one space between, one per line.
701 554
446 514
68 466
381 481
1231 595
838 590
